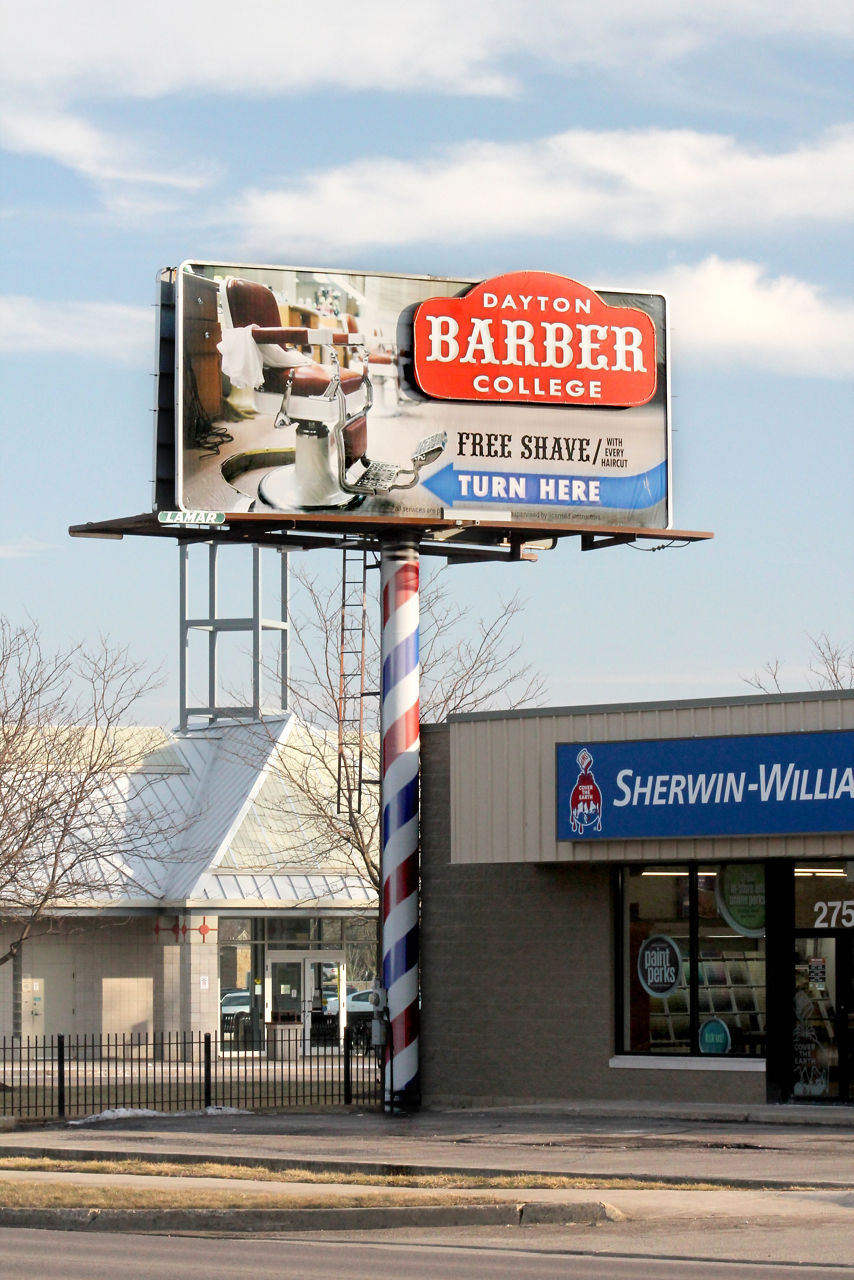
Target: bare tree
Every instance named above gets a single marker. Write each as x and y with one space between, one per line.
68 766
468 663
831 667
832 664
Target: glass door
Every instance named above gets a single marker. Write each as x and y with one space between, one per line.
306 990
286 991
326 981
823 1021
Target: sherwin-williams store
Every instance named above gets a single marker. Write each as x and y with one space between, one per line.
641 901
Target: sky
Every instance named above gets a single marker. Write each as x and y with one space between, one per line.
706 152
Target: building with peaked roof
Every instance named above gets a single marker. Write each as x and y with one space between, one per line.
229 879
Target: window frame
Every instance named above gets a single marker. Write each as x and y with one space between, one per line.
693 869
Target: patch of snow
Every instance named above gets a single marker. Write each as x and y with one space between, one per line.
134 1113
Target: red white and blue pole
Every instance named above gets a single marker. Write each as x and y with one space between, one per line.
399 728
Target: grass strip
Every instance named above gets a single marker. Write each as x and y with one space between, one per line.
51 1195
440 1181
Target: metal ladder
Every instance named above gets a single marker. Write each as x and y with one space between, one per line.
351 679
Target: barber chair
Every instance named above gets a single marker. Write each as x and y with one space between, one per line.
326 404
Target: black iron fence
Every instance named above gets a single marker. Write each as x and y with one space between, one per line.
67 1076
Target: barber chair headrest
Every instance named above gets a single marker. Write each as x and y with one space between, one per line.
251 303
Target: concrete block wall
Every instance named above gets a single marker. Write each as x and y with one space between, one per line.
6 984
102 975
517 978
96 974
186 974
200 979
115 985
167 984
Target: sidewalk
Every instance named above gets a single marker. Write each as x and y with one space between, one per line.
769 1166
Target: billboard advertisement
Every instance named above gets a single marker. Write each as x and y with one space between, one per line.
527 399
771 784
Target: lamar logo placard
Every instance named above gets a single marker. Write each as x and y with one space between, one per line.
534 338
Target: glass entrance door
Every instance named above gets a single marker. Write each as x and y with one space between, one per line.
823 1021
305 990
286 991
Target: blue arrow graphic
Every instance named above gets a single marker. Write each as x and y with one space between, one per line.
453 485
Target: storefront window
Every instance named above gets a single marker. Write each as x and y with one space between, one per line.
694 959
360 947
656 947
235 953
824 895
290 931
355 935
234 930
329 928
731 960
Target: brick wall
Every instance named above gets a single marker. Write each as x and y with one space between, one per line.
517 977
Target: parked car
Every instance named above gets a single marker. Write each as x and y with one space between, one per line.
330 997
359 1014
357 1002
234 1006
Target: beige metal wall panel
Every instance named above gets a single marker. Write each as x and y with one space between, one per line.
503 777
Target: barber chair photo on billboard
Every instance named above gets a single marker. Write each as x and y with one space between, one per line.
324 403
527 397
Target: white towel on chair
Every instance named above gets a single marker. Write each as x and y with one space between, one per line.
244 359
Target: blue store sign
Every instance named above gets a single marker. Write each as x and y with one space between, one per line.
773 784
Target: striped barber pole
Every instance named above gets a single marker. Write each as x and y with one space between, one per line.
399 797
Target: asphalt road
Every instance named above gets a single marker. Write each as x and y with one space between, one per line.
48 1255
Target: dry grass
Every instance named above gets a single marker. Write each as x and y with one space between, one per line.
45 1193
52 1195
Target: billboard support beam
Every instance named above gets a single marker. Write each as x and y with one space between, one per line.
399 805
592 542
215 625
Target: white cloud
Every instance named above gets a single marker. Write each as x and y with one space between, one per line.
111 332
266 46
731 313
627 184
93 152
59 62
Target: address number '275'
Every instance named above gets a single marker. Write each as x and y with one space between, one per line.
827 915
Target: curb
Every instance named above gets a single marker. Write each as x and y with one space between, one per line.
793 1115
238 1221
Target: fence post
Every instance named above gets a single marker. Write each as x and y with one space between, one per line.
348 1064
60 1068
207 1069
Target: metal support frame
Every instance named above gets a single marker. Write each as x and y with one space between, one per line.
215 626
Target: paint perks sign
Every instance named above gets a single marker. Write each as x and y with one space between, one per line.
531 337
659 965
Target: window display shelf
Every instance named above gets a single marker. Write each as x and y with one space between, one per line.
730 987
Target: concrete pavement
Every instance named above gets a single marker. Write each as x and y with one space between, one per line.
787 1165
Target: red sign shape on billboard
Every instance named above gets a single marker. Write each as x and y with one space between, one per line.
530 337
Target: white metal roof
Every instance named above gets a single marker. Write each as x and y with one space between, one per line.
224 827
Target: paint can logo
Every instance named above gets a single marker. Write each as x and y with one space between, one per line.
585 804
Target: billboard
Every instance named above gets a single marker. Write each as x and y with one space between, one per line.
526 399
769 784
